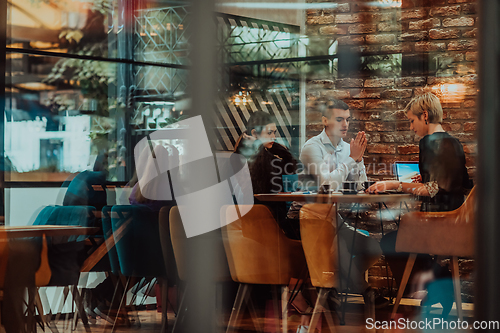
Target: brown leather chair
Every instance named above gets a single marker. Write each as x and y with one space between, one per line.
438 233
317 231
258 252
180 243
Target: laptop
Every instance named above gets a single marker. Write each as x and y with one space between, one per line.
406 170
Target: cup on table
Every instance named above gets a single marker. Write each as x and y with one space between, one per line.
324 189
369 183
350 187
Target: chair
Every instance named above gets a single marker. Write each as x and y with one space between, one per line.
439 233
63 256
171 228
137 242
258 252
318 231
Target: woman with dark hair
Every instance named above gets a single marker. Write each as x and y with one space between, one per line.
267 159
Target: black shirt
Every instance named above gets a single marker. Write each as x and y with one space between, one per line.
442 160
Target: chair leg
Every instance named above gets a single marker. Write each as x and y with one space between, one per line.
253 314
123 299
80 310
180 310
243 290
276 308
164 305
321 304
456 287
285 294
404 281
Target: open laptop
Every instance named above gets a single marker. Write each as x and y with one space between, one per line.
406 170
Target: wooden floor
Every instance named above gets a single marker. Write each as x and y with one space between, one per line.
150 320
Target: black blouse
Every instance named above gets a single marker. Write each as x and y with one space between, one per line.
442 160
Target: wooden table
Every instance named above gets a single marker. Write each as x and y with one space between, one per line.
334 199
47 230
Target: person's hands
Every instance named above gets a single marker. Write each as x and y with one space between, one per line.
416 179
358 146
383 186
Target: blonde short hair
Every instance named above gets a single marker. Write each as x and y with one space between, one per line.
426 102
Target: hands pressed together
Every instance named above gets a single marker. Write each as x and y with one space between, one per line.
358 146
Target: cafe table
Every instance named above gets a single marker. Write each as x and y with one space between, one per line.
334 199
47 230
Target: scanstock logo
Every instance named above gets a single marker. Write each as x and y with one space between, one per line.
200 184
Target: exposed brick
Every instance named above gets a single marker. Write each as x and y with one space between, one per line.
373 137
396 137
452 127
313 116
457 45
413 36
348 18
425 24
380 39
462 115
470 33
397 93
460 1
362 7
349 83
337 94
365 93
470 103
325 84
470 8
316 128
365 49
413 14
377 83
378 126
365 115
386 104
408 149
445 11
470 127
324 19
343 8
362 29
407 47
470 148
403 126
392 48
429 46
458 22
444 33
388 27
332 30
355 104
411 81
394 115
380 148
351 40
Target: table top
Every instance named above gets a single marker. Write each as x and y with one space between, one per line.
47 230
336 197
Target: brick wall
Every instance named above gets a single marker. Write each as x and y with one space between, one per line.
437 43
426 34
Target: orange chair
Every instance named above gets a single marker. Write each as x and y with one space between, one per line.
317 230
438 233
180 245
258 252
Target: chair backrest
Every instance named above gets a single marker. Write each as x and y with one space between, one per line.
108 231
441 233
166 244
257 250
4 256
317 232
135 228
63 252
181 245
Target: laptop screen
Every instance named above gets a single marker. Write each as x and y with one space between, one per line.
406 170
